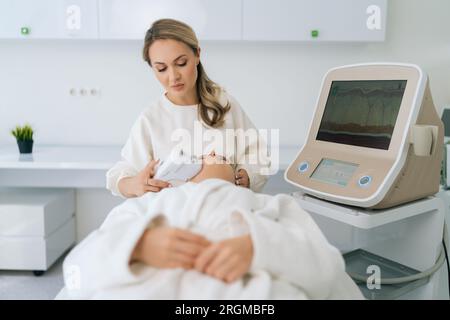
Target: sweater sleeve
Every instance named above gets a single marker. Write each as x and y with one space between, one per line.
135 155
251 151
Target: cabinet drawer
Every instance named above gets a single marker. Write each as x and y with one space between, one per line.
34 211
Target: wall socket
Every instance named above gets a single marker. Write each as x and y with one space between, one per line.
84 92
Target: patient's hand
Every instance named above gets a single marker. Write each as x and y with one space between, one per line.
227 260
167 247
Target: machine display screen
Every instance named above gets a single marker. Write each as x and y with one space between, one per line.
334 172
362 112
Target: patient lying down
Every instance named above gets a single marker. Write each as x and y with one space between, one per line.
164 246
207 239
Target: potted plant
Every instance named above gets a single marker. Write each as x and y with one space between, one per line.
24 137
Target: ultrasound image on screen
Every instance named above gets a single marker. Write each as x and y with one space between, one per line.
362 113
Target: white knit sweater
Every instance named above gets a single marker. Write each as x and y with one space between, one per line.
164 127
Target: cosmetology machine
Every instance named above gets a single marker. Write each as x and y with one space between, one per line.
369 173
178 168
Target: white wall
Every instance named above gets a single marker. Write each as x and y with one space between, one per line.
276 83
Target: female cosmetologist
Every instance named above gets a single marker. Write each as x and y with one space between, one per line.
172 51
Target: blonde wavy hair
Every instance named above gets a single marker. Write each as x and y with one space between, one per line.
210 111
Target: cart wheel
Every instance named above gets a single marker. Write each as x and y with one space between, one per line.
38 273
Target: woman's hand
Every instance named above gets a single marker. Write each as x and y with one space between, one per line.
167 247
242 178
227 260
143 182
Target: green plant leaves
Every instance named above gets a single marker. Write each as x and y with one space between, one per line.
24 133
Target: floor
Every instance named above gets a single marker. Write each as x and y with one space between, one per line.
23 285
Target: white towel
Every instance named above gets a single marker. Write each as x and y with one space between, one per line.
292 259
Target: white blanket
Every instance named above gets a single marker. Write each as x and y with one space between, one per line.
292 259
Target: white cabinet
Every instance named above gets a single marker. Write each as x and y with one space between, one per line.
253 20
210 19
314 20
36 227
48 19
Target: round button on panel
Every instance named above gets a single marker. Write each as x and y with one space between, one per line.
364 181
304 166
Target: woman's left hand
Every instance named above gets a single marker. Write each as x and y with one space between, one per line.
227 260
242 179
